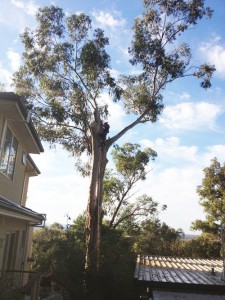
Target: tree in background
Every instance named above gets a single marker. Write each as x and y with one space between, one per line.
131 165
66 68
212 198
203 246
157 238
60 251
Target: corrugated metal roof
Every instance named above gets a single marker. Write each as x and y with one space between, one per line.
165 295
174 270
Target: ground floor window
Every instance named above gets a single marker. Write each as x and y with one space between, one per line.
10 250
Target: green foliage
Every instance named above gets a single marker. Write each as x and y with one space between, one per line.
61 252
131 161
206 227
130 166
157 238
7 289
118 263
157 51
212 197
65 69
204 246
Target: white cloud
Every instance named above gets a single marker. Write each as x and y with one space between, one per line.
214 52
29 7
185 96
63 191
14 59
176 187
15 15
106 19
116 29
191 116
171 149
5 76
213 151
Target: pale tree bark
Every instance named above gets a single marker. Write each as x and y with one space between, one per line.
94 208
100 148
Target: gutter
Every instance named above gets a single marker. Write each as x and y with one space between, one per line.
39 219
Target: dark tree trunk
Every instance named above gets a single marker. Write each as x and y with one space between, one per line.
94 208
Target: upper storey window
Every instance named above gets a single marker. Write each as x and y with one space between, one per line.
8 154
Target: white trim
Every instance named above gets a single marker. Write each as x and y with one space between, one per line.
6 126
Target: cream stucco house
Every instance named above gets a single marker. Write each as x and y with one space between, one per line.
18 139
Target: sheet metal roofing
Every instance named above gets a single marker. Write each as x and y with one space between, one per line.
165 295
183 271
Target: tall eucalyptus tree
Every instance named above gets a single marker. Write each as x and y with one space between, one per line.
66 68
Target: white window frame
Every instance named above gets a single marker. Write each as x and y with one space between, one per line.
10 156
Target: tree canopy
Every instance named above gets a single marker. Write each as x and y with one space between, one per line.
131 165
66 68
212 198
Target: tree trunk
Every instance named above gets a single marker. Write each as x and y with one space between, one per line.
100 148
94 208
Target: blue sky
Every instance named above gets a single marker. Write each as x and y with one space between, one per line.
188 134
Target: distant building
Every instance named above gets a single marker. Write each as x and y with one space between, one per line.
168 278
18 139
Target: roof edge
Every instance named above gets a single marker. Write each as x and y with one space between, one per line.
14 97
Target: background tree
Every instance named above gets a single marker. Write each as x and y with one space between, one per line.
204 246
60 251
130 166
212 198
157 238
66 67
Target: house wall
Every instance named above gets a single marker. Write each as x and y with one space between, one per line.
25 189
16 228
9 226
13 189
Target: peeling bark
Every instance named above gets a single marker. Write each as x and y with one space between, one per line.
94 208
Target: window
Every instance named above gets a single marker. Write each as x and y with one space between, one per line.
24 158
10 251
8 154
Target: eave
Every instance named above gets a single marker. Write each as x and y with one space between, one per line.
12 106
10 209
31 167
